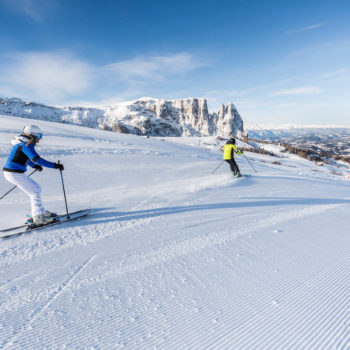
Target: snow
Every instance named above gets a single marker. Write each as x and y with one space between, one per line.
275 149
174 257
293 131
148 116
295 127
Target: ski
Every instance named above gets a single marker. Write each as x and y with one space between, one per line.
242 175
59 219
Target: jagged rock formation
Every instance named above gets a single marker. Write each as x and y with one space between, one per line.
228 120
146 116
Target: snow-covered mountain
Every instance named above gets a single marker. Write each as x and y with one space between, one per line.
146 116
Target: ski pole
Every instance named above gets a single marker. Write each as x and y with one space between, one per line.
16 186
249 162
64 193
217 167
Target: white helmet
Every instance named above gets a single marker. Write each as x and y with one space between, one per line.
33 130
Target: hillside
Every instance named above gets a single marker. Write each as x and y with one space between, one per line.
174 257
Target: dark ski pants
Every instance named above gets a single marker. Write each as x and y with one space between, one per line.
233 166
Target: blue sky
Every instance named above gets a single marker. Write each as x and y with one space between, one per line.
278 61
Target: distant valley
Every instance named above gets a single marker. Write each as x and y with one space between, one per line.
331 140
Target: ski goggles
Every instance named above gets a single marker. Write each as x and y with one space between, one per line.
39 136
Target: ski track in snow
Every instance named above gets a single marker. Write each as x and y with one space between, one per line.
175 249
37 313
175 258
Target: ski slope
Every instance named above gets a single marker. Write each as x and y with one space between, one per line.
174 257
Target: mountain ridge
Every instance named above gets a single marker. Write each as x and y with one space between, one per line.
145 116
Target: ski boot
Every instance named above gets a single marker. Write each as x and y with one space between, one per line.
48 214
44 219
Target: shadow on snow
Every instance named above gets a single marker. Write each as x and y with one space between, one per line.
101 216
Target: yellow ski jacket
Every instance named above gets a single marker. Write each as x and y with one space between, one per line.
228 151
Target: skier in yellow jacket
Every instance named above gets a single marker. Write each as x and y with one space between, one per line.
229 150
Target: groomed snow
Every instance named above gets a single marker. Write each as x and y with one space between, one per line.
174 257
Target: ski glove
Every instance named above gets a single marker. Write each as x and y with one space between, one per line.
239 153
59 166
38 167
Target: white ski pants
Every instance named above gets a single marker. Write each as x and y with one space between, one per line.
30 188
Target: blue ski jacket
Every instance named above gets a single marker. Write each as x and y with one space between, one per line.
23 154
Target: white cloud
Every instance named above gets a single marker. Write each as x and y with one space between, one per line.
58 77
305 90
125 95
35 9
155 68
304 29
335 73
314 26
46 75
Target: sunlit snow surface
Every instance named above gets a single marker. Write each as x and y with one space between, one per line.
174 257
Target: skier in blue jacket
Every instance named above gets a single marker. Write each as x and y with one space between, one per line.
22 154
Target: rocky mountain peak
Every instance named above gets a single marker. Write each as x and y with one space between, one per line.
145 116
